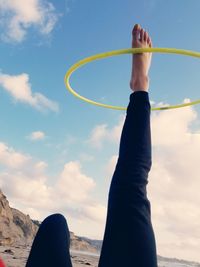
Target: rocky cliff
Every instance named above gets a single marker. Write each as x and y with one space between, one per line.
15 227
18 228
79 243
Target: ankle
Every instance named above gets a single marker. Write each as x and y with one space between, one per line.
140 83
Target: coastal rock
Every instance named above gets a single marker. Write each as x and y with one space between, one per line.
17 228
26 228
78 243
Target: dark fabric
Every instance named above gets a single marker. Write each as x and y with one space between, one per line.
129 238
50 247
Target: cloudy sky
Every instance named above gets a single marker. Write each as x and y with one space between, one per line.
57 154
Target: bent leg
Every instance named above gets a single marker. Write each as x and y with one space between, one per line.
51 244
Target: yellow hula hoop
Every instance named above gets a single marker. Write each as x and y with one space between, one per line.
120 52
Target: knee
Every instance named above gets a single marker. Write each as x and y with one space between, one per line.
56 216
56 219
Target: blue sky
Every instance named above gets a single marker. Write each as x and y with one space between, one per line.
57 154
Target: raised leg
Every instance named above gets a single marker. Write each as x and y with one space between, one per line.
129 237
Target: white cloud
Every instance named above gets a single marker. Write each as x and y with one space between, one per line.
38 135
102 133
95 212
174 183
29 189
11 158
41 166
74 180
110 168
98 135
19 88
18 16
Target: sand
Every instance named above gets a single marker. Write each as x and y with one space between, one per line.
16 256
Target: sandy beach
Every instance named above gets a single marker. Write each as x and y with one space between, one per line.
16 256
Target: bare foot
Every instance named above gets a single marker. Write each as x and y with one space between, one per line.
142 61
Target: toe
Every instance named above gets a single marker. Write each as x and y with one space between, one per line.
136 31
135 28
142 35
145 36
149 42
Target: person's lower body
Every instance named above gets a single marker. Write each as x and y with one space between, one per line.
129 238
50 247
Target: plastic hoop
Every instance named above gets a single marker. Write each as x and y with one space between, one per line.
120 52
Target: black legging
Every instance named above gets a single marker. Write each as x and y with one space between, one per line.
129 238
